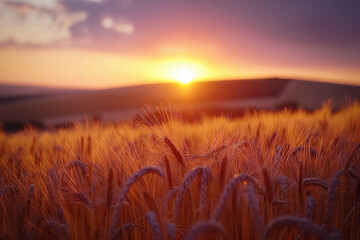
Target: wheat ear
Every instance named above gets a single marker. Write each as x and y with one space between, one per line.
176 153
78 164
136 176
118 231
296 222
313 181
168 172
229 190
185 185
205 175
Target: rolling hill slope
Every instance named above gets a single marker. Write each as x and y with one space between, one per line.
123 103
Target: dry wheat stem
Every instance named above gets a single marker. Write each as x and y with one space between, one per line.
136 176
176 153
310 207
223 171
330 203
300 186
254 206
154 225
229 190
171 231
297 222
78 164
29 197
168 172
151 204
185 185
205 176
109 192
118 231
204 227
313 181
268 185
305 149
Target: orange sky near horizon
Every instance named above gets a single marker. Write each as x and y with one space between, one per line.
74 68
107 43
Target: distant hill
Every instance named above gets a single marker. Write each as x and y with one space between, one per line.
18 93
123 103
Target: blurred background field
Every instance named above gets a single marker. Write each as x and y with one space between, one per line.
44 107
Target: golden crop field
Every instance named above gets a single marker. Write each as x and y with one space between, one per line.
284 175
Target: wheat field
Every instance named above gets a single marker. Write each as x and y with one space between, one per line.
283 175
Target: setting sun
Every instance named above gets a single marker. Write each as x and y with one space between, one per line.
181 70
184 75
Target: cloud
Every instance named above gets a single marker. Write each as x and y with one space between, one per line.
37 22
119 24
36 3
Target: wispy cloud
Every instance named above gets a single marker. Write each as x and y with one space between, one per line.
118 24
37 22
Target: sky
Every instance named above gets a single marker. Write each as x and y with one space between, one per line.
111 43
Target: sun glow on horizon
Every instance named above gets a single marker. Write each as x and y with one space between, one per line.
182 70
184 75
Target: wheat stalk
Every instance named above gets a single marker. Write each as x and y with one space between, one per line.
296 222
313 181
33 145
118 231
176 153
330 201
268 185
79 197
89 146
223 171
151 204
58 229
29 197
78 164
358 190
109 191
229 190
185 185
136 176
171 231
300 185
305 149
284 182
154 225
254 206
204 227
205 175
168 172
351 158
310 207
